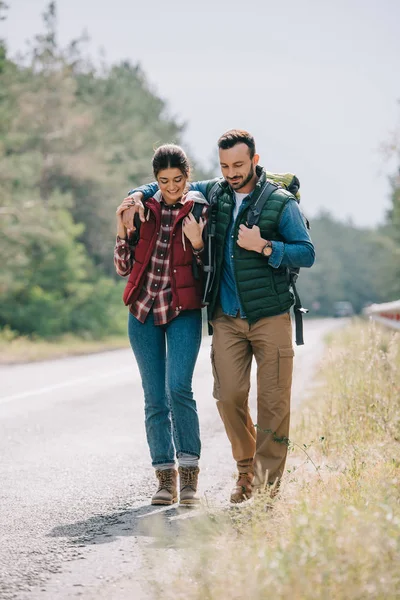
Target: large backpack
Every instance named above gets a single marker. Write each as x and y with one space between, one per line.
273 182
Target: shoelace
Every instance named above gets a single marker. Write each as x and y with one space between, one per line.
165 480
188 478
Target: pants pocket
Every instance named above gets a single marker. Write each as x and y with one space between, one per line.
285 367
215 374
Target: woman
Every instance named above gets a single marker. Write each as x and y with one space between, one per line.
165 326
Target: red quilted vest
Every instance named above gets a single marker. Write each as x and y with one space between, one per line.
186 290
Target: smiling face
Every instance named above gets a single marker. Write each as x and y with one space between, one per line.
172 183
238 168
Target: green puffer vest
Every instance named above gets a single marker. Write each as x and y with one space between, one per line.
263 291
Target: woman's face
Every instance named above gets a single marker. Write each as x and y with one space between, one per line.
172 183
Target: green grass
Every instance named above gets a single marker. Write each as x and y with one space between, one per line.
334 530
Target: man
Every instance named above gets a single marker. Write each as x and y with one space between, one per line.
249 309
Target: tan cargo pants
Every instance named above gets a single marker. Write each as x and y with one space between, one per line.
261 450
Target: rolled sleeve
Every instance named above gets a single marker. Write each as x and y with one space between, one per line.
297 249
275 259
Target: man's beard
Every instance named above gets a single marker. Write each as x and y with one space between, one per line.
246 180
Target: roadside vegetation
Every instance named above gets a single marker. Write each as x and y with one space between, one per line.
20 349
75 135
334 530
74 138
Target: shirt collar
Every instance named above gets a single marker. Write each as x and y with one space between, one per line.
170 206
158 197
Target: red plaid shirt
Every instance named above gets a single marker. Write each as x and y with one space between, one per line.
156 292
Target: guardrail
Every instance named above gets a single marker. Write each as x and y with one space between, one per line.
388 313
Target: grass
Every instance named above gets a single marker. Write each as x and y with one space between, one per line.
19 349
334 530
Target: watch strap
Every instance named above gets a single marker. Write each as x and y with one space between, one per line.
268 244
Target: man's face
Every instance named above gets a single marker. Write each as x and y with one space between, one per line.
236 165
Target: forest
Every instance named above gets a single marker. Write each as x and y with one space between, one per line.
74 137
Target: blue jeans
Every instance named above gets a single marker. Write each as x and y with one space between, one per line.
166 356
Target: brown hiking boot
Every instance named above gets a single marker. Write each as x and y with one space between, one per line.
167 492
188 477
243 489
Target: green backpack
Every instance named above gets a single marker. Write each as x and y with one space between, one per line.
286 180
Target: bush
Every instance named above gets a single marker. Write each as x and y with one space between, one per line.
52 286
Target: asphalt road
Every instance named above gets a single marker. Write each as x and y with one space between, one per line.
75 474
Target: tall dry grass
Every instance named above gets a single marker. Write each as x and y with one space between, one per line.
334 531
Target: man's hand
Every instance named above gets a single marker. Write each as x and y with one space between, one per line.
250 239
129 207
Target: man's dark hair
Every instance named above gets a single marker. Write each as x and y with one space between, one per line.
237 136
170 156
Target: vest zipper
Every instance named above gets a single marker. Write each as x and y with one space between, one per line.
171 270
236 231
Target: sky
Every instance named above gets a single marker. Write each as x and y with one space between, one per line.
316 82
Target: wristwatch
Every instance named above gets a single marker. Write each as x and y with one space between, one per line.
267 250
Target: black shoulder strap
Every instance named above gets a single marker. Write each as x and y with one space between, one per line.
253 216
210 246
136 233
137 224
212 196
299 311
197 210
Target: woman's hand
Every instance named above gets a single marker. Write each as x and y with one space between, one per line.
194 231
123 224
129 207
